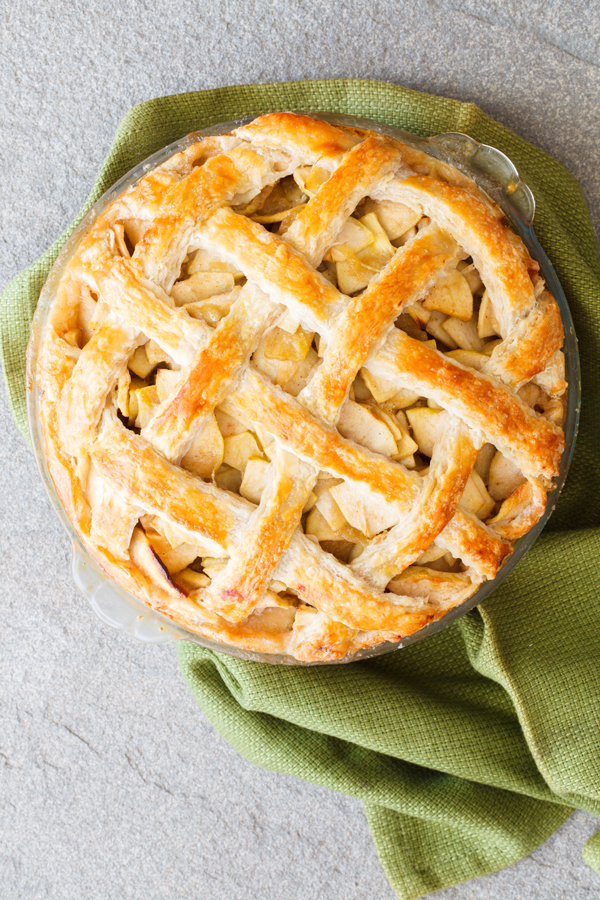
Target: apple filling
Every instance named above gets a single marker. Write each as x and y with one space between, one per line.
456 318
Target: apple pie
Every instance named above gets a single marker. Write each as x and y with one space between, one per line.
302 388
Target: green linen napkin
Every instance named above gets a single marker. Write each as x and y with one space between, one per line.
468 749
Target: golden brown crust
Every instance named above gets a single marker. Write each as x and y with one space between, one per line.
116 303
316 226
312 138
535 444
469 220
298 431
409 276
137 471
531 345
467 538
273 265
453 459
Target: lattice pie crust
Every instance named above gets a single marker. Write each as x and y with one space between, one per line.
301 388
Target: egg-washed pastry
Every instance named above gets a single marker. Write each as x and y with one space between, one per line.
302 388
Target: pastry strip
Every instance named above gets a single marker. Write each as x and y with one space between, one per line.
532 442
470 222
278 270
214 517
211 374
316 226
410 275
309 138
454 456
295 429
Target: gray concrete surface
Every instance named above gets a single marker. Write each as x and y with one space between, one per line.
113 784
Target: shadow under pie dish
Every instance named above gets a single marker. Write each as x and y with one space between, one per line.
299 387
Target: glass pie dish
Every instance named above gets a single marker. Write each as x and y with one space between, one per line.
496 175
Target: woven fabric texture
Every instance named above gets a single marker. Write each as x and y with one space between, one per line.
470 748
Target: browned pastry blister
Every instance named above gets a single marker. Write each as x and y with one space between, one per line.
302 387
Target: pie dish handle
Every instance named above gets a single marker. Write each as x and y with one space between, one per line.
124 614
491 169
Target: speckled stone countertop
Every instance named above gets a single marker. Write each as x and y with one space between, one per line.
113 784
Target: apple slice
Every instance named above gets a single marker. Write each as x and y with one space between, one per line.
310 178
380 388
278 371
145 558
289 322
387 392
406 449
389 420
451 295
310 503
353 275
228 424
469 358
281 345
316 177
154 529
302 374
201 286
255 479
135 385
175 535
178 558
360 390
488 502
395 218
487 323
355 552
427 425
206 452
504 477
135 229
365 512
355 235
228 479
239 448
360 424
212 565
406 237
514 504
435 328
472 276
139 363
484 461
317 525
380 251
189 580
205 261
464 334
341 549
432 553
147 401
156 354
123 385
327 505
213 309
405 444
491 346
419 313
472 499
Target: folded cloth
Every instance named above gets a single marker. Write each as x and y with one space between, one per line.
468 749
